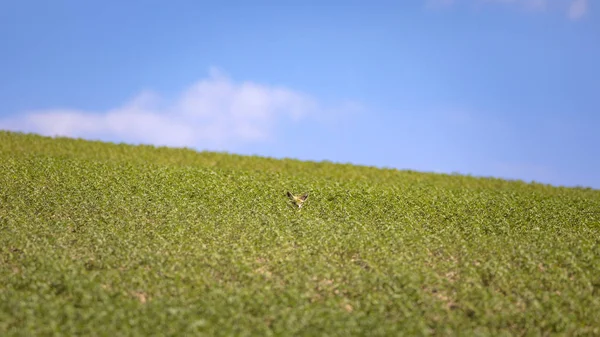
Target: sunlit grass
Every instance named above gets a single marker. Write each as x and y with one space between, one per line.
106 239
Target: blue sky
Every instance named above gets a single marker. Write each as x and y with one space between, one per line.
503 88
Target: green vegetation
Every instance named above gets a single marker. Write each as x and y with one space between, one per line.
112 239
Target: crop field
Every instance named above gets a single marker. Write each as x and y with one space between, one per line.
102 239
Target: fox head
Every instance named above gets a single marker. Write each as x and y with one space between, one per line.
297 200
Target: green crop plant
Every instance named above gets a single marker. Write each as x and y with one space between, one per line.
108 239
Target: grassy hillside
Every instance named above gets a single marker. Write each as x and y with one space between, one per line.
107 239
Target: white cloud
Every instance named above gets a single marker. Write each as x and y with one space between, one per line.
577 9
215 112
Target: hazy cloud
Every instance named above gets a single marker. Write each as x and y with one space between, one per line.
529 4
577 9
527 172
438 3
212 113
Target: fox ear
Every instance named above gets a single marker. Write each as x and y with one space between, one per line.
304 197
290 195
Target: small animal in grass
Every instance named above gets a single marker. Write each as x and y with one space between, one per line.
297 201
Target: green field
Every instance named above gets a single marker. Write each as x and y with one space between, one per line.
103 239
